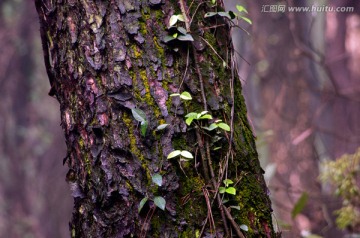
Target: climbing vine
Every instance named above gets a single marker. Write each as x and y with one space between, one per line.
202 122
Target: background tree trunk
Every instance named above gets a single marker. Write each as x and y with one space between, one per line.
31 176
105 58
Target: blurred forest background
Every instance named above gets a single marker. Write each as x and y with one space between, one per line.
301 77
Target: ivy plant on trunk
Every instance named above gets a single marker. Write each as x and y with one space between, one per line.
155 123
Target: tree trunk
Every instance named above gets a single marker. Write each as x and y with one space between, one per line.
107 61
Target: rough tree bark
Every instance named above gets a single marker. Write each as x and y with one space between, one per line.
105 58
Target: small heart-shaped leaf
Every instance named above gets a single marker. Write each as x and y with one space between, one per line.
186 154
210 14
160 202
138 114
157 179
174 154
231 190
223 126
244 227
173 20
185 96
186 37
161 127
142 203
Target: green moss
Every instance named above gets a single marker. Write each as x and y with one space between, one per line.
136 51
133 145
160 49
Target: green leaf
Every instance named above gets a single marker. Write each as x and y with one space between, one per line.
189 120
168 38
174 94
223 126
185 96
160 202
142 203
227 182
222 189
182 30
231 190
246 19
207 116
186 37
161 127
143 127
211 127
186 154
225 14
173 20
213 1
244 227
138 114
236 207
175 35
174 154
225 201
202 113
180 17
210 14
299 205
191 115
241 8
157 179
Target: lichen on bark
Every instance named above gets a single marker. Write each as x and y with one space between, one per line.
108 57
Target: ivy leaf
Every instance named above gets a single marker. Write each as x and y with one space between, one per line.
160 202
189 120
182 30
211 127
185 96
210 14
142 203
300 205
202 113
180 17
186 37
144 125
161 127
223 126
173 20
222 189
225 14
138 114
168 38
241 8
174 154
207 116
231 190
236 207
186 154
191 115
246 19
224 64
244 227
157 179
227 182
